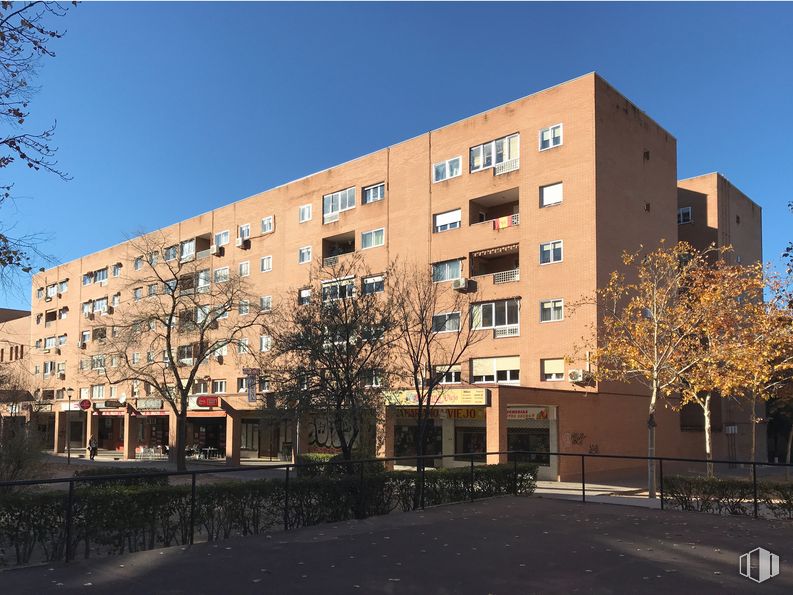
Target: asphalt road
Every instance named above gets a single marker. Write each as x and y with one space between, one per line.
500 546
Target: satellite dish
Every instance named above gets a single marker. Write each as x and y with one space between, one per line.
122 398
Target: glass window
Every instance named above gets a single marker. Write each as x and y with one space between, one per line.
244 307
444 323
495 314
449 374
551 194
550 137
266 303
138 263
266 264
373 193
304 213
684 215
267 224
244 231
222 238
170 253
63 286
494 152
245 269
446 270
304 255
551 310
446 169
372 239
88 278
98 391
338 289
218 386
137 293
187 249
221 275
304 296
552 369
265 343
551 252
374 284
447 221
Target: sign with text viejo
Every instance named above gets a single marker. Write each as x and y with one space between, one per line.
451 397
203 402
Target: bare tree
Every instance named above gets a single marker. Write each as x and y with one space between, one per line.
332 344
436 327
171 321
25 40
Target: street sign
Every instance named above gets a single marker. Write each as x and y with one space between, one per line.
85 404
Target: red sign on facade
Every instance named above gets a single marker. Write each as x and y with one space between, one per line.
85 404
205 401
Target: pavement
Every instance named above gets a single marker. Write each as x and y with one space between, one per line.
509 545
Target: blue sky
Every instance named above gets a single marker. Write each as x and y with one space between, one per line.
167 110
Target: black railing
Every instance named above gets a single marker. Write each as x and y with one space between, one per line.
303 487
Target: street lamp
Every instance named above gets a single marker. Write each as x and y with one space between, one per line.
69 393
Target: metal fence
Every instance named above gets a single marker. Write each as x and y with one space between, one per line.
295 495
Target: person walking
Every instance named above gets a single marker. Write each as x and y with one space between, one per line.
92 447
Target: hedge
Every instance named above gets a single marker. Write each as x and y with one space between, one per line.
96 471
728 496
110 519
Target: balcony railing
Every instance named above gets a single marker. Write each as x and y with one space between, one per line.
506 167
330 261
506 276
330 217
512 330
506 221
201 254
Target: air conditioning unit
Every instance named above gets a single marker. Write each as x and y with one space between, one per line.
48 299
238 243
460 284
60 295
62 376
220 359
102 283
579 376
90 316
110 310
45 350
83 345
57 351
213 249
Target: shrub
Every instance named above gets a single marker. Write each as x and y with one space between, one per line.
116 471
728 496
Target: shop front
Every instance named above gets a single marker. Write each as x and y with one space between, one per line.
108 424
153 431
533 429
206 428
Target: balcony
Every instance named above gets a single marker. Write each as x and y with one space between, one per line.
502 264
501 209
506 166
335 246
510 330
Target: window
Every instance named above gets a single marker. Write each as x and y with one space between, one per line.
267 224
551 252
242 384
49 343
551 310
684 215
244 231
495 314
447 221
221 275
304 255
137 293
48 368
446 323
446 270
305 213
374 284
336 202
84 392
85 336
446 169
61 339
136 358
373 193
63 286
100 276
264 384
52 290
372 378
203 281
170 253
449 374
218 386
494 152
245 269
222 238
138 264
98 391
265 343
551 194
242 346
372 239
88 278
40 292
550 137
152 289
552 369
266 264
200 387
244 307
100 305
303 297
63 313
334 290
495 369
187 249
266 303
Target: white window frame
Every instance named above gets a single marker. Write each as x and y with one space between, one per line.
265 343
436 228
244 308
244 231
304 213
553 302
220 275
219 387
63 286
446 169
138 264
680 213
505 156
304 255
455 371
339 195
373 234
551 129
447 316
372 280
551 244
367 189
544 205
269 266
303 296
447 262
493 305
244 268
542 369
222 238
266 303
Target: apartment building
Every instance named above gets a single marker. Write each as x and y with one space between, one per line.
15 378
534 201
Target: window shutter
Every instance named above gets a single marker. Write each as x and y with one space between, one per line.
553 366
507 363
482 366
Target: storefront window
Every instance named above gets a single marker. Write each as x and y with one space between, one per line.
470 440
405 440
530 440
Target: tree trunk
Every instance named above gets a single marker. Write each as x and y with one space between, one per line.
789 448
708 437
651 482
181 442
753 421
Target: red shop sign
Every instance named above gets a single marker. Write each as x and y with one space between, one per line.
85 404
205 401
